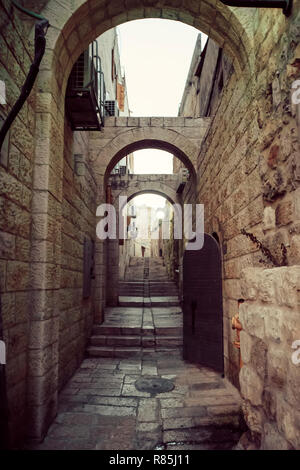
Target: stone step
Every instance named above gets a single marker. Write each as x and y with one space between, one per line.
116 330
110 330
157 301
126 352
135 341
106 351
162 286
104 340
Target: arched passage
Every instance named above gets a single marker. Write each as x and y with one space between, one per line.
73 26
137 138
122 194
170 195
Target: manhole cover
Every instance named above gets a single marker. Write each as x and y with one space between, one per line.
154 385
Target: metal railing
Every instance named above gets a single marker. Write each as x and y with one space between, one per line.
86 91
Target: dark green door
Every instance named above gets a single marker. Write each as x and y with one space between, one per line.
202 306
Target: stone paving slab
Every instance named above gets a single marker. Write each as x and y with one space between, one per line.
100 408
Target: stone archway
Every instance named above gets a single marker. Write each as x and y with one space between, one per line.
179 136
130 186
73 27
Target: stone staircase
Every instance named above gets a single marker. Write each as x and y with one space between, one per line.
148 318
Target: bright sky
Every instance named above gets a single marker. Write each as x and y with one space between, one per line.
152 200
153 161
156 56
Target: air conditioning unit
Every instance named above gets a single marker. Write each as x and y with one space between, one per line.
85 92
132 211
111 108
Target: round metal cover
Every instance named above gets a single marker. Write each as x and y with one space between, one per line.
154 385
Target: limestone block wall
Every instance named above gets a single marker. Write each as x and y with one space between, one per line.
248 164
78 222
16 185
270 376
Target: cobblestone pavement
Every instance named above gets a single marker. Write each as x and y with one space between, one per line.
100 408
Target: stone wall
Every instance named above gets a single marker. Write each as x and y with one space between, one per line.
16 184
249 162
78 222
270 376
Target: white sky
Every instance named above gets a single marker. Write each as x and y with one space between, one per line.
156 55
152 200
153 161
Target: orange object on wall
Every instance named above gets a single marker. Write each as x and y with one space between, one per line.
108 195
120 96
236 325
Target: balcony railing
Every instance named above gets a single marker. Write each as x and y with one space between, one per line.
85 96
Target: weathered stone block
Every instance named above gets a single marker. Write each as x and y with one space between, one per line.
18 276
273 440
246 342
253 417
269 220
285 282
17 341
252 319
294 252
43 333
284 213
251 385
40 361
288 420
274 321
277 363
258 357
7 245
267 286
22 249
250 283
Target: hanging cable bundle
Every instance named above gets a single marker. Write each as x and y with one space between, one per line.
39 49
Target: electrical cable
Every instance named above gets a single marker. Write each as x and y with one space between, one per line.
39 49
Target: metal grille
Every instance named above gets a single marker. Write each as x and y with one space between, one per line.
111 108
86 91
78 72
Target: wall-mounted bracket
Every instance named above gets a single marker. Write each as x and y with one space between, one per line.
285 5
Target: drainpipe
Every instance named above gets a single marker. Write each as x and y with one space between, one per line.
41 28
286 5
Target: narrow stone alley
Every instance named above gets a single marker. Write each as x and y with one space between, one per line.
139 343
